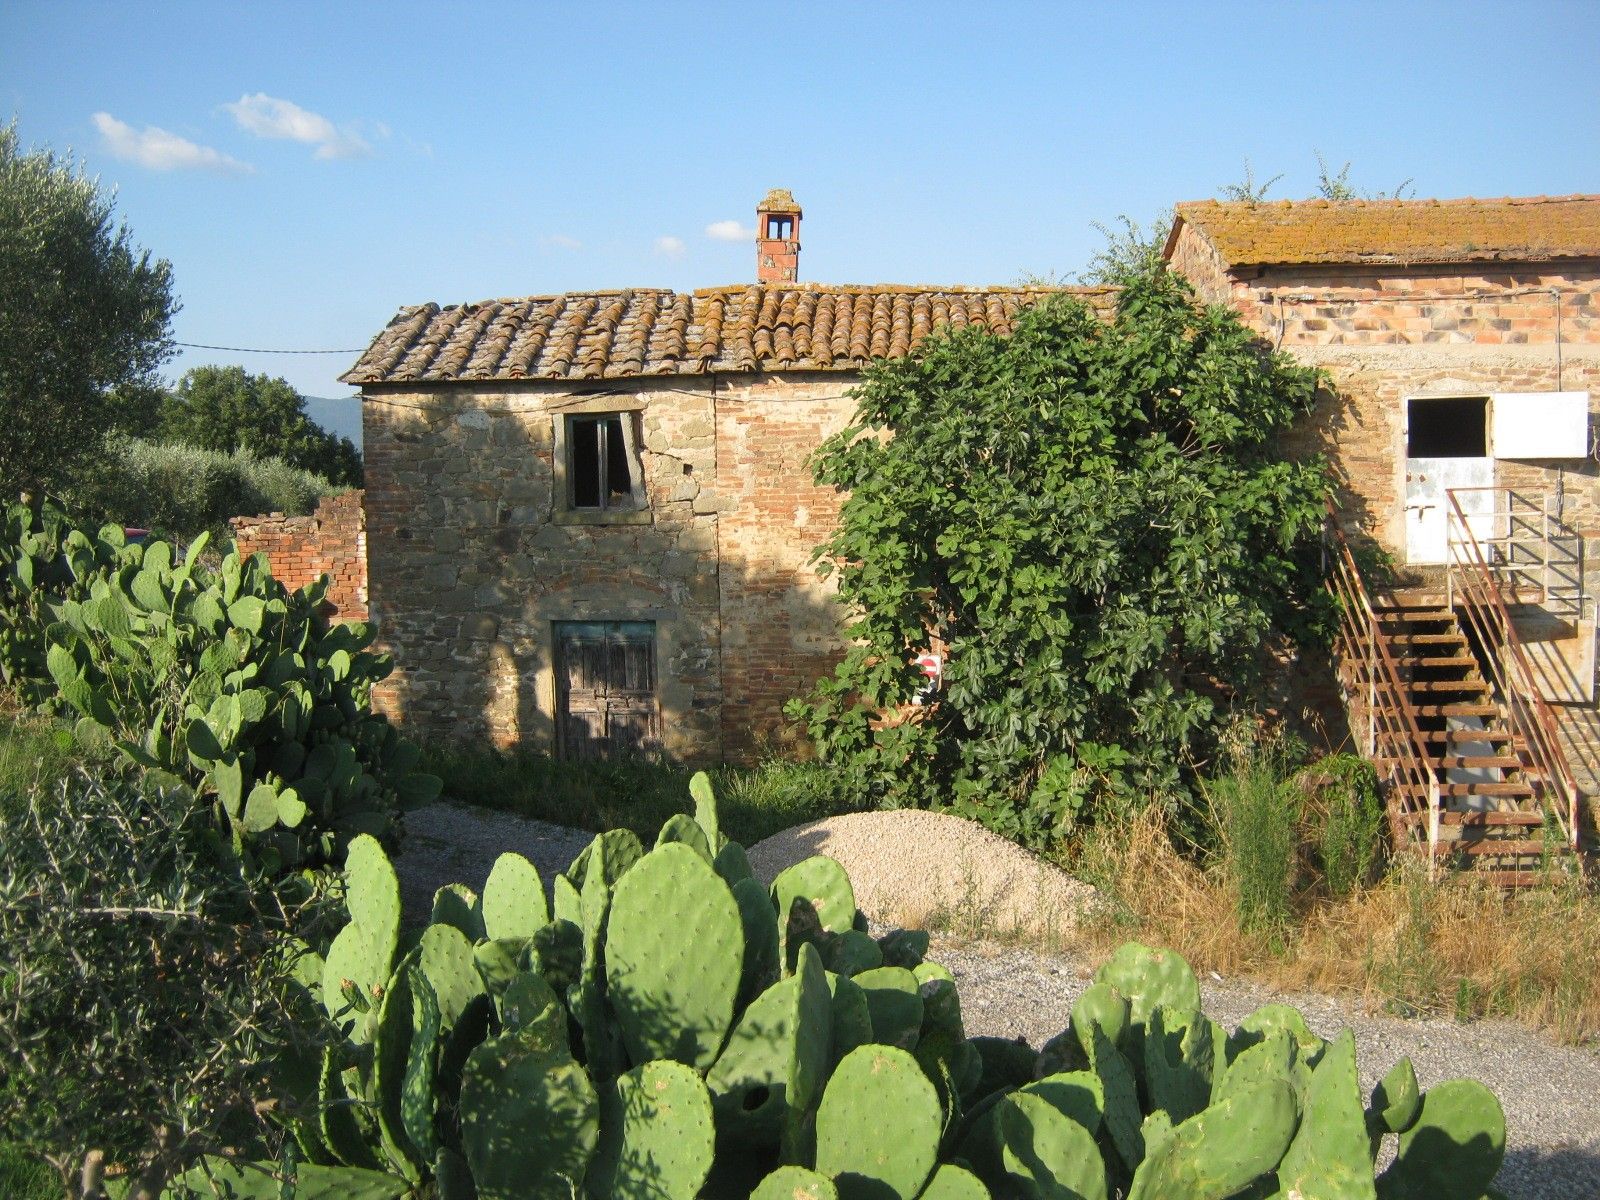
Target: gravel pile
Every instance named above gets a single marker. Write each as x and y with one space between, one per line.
912 869
918 870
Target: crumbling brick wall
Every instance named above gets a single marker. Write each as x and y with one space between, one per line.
331 541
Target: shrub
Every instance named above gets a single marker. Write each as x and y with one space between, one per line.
1256 812
181 490
1347 815
670 1027
222 677
1093 521
146 983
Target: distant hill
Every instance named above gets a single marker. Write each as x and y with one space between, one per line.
337 414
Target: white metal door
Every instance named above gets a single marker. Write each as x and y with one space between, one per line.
1427 525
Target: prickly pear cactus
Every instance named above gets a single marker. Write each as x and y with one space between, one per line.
1148 978
773 1067
673 957
1328 1159
656 1140
795 1183
1221 1151
1453 1148
221 677
878 1087
361 958
1056 1156
529 1118
824 883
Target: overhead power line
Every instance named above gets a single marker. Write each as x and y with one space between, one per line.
253 350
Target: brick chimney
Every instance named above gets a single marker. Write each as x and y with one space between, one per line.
778 238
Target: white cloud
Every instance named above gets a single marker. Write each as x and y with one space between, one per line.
730 231
670 247
561 241
162 151
269 117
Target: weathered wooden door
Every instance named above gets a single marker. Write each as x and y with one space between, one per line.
606 688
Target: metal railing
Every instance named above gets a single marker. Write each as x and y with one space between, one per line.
1380 710
1478 592
1525 544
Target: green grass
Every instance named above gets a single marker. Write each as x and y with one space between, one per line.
23 1178
636 794
31 752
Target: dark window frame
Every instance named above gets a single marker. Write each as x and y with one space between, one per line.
609 427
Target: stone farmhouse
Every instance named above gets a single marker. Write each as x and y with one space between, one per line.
589 517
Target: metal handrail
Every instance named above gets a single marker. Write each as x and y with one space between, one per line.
1525 539
1372 679
1527 713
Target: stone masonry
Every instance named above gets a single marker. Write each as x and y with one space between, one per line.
476 553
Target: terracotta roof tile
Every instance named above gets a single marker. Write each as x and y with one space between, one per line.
747 327
1521 229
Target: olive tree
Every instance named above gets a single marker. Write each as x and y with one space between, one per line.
84 317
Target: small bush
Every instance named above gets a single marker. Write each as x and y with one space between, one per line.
1256 814
1346 817
181 490
148 984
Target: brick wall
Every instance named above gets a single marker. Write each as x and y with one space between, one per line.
331 541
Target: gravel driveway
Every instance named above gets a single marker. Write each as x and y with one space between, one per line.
1551 1093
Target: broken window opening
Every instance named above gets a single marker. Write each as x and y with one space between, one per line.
601 463
1457 427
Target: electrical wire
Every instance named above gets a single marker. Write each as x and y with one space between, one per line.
252 350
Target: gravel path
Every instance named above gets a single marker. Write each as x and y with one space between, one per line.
1551 1093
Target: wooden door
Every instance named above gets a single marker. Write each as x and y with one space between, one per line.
606 689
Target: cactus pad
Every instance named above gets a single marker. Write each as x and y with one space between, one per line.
895 1003
1454 1148
656 1140
878 1087
822 881
1328 1158
673 957
529 1118
1053 1156
1222 1150
513 899
795 1183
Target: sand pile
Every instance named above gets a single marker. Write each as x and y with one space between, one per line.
919 870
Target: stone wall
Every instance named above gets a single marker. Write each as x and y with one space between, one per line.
330 541
474 555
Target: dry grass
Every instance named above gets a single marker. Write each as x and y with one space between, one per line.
1459 949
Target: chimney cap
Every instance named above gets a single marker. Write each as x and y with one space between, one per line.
779 200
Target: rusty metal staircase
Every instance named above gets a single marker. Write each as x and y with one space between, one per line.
1472 773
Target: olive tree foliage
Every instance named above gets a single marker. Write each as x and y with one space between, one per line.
1092 520
84 318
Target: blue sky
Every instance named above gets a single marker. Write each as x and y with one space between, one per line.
308 168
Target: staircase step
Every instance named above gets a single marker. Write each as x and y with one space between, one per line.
1448 736
1427 639
1486 789
1509 879
1414 616
1463 661
1491 846
1461 762
1476 686
1457 710
1476 820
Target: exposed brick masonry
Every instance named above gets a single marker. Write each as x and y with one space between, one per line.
331 541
